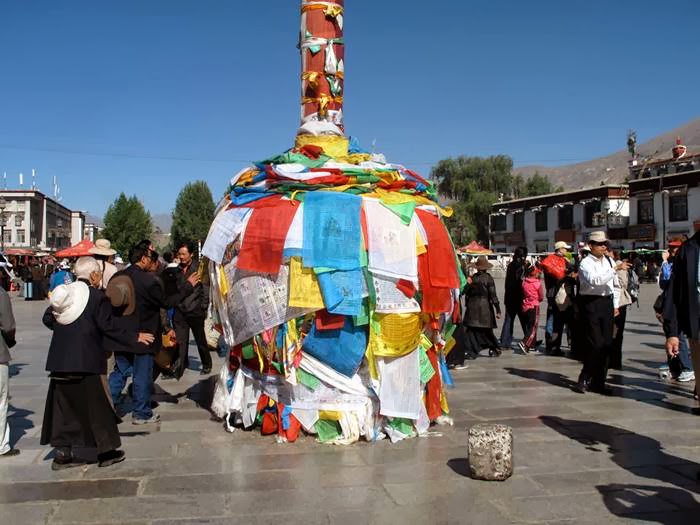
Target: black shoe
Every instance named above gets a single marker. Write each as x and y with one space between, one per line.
110 458
10 453
205 372
494 352
63 462
583 385
603 390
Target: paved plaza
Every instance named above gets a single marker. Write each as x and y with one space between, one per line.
631 458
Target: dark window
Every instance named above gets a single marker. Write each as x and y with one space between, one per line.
566 218
498 223
541 221
518 222
645 211
590 210
678 208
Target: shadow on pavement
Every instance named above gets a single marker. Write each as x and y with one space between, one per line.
541 375
202 393
653 504
19 423
594 436
460 466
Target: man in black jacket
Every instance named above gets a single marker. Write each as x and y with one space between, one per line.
190 314
137 360
682 301
513 299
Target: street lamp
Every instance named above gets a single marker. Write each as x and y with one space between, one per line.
3 204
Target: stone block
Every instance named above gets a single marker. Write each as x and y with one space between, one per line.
491 452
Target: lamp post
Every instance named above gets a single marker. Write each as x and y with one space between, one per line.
3 204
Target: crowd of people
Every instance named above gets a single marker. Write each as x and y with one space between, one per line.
587 295
111 325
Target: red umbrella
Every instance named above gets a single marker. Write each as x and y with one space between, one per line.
474 247
79 250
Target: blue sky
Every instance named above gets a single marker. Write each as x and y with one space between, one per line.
142 96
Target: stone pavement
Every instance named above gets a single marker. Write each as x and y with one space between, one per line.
578 458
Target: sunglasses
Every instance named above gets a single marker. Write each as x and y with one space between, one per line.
595 243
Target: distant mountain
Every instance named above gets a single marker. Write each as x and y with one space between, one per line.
613 168
93 219
164 221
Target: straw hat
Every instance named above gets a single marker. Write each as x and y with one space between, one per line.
102 247
68 301
121 293
482 263
560 245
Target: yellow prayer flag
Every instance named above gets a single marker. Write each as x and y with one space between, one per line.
304 291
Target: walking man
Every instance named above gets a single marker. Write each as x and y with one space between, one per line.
7 341
190 314
513 299
598 298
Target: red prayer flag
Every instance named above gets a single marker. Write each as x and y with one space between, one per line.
263 240
441 254
434 300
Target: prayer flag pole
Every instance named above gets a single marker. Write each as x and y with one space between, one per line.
322 76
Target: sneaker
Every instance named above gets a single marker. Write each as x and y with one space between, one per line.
10 453
686 375
155 418
461 367
522 347
110 458
205 372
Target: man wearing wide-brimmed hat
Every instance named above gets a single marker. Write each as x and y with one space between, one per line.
103 252
598 297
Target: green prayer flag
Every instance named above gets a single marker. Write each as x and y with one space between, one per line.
308 380
404 211
405 426
248 351
426 367
327 430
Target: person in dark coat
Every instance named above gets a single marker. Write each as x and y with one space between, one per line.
513 299
682 301
482 310
78 410
136 361
191 312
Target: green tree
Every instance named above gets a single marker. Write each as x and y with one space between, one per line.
193 214
474 184
126 223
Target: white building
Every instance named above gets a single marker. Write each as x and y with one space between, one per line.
539 222
33 220
664 200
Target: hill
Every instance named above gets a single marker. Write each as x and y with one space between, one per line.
613 168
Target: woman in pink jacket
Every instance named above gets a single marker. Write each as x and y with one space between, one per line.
533 295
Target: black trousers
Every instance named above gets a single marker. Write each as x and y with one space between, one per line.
618 333
597 315
183 325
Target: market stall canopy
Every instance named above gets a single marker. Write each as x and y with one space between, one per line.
19 251
79 250
475 247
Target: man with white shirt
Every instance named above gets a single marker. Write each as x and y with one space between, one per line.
598 299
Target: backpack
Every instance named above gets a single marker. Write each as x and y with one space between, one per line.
554 266
633 285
